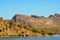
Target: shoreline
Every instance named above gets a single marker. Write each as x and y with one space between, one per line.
27 36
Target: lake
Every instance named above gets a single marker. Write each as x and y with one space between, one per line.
55 37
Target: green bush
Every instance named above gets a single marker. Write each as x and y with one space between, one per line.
50 32
34 29
43 31
20 35
47 31
25 26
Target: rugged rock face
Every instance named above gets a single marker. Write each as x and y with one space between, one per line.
56 19
42 22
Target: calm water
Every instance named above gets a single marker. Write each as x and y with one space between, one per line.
56 37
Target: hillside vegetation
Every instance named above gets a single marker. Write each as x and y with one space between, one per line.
23 26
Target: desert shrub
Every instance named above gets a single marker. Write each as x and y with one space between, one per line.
12 22
34 29
25 26
0 30
47 31
43 31
50 32
19 34
1 19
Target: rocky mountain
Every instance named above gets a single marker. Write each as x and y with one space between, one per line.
23 25
38 21
55 18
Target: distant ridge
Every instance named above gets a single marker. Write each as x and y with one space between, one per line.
39 21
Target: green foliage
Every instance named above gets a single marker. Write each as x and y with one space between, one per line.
25 26
34 29
50 32
20 34
12 22
43 31
46 31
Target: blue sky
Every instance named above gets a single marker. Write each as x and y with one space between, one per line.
8 8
